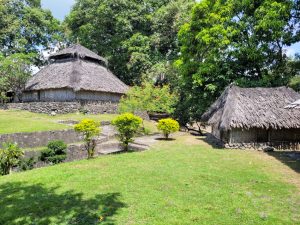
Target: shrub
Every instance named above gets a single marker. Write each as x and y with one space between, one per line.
55 152
26 164
148 98
89 129
10 156
168 126
127 125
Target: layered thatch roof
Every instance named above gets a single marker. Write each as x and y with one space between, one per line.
254 108
79 69
77 51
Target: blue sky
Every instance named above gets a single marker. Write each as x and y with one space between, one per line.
60 8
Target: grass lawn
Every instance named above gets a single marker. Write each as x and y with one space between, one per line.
177 182
14 121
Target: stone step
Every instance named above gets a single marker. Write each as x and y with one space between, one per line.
114 146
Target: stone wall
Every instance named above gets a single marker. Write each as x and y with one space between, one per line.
38 139
295 146
65 107
100 108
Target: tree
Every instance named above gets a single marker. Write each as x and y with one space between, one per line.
10 155
127 125
168 126
26 28
232 41
133 35
148 98
294 68
90 129
15 70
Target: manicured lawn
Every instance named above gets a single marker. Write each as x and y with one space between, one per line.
14 121
177 182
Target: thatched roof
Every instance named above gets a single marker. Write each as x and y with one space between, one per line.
254 108
78 73
77 51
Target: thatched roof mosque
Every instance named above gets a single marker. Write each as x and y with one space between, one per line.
254 108
79 69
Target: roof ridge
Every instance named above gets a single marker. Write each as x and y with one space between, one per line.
77 50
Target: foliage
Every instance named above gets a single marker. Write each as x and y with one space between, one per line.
90 129
294 68
135 36
148 98
10 155
168 126
232 41
55 152
26 163
26 28
295 83
15 70
127 125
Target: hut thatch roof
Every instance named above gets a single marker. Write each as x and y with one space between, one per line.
254 108
79 69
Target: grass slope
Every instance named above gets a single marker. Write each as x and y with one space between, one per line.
14 121
179 182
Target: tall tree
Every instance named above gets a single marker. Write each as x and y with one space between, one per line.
233 41
26 28
15 70
133 35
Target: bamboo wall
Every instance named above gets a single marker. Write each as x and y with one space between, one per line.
68 95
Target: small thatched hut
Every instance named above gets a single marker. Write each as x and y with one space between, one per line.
74 74
255 115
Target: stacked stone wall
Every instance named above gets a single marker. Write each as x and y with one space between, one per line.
65 107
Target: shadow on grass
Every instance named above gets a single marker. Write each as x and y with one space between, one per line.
164 139
22 203
291 159
212 141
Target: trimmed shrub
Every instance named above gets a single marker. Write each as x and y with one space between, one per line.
168 126
55 152
26 164
127 125
89 129
10 156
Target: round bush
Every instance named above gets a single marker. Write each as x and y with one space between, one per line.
168 126
127 125
56 152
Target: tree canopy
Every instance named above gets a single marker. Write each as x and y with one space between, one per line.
139 38
14 72
233 41
26 28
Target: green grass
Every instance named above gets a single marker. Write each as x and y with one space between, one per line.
14 121
177 182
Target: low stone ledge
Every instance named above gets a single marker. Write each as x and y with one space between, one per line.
264 146
65 107
38 139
